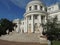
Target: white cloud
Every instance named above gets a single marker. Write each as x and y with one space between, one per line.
20 3
23 3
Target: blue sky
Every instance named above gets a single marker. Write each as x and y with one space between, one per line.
12 9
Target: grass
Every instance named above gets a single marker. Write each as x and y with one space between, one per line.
56 42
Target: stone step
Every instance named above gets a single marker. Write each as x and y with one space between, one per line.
23 37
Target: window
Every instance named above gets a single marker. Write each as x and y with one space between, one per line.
35 16
46 9
40 7
23 23
42 19
29 17
35 7
35 25
49 9
30 8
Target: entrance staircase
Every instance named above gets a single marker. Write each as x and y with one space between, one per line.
22 37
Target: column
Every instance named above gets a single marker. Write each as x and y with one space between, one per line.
39 19
45 20
38 7
18 28
32 7
43 9
26 25
39 24
32 23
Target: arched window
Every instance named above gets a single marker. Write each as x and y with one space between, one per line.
46 9
42 19
41 7
30 8
29 17
35 7
36 16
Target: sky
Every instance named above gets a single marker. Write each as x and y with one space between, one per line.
12 9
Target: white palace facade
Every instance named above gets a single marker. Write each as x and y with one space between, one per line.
36 14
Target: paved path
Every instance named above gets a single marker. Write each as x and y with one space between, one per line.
2 42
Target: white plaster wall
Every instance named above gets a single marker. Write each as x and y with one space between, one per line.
17 21
36 21
54 14
22 25
53 8
18 28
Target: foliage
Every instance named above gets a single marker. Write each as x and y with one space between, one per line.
52 29
56 42
5 25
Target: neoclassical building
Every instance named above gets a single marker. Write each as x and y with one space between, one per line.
36 14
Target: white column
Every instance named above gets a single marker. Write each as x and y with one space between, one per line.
32 27
43 9
45 20
32 7
26 25
39 22
40 26
39 19
18 28
38 7
21 30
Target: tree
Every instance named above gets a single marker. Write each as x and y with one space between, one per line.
6 25
51 30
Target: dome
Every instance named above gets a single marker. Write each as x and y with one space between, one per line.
35 6
35 2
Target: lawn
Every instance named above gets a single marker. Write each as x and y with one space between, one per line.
56 42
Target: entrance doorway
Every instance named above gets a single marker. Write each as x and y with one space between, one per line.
29 28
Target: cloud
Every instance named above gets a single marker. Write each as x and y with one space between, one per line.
23 3
20 3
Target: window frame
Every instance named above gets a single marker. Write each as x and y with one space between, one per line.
29 17
30 8
41 8
36 16
35 7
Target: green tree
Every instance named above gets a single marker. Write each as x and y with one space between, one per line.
51 29
6 25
